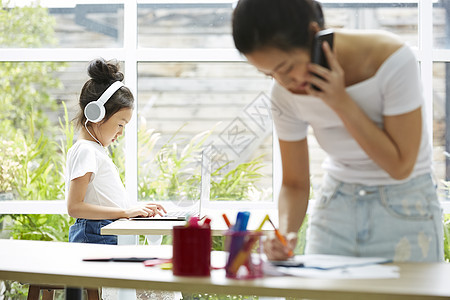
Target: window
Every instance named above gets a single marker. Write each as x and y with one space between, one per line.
441 92
191 105
180 62
185 24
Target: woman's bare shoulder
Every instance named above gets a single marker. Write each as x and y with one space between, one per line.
363 52
379 44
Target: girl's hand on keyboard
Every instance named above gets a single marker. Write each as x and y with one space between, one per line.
145 210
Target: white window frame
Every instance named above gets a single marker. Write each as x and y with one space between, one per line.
131 55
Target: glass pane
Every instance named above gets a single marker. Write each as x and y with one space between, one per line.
441 24
32 143
185 107
209 25
35 132
177 25
441 125
398 18
78 26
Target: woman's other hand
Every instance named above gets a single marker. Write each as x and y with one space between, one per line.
275 250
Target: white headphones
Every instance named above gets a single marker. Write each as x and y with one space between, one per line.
95 110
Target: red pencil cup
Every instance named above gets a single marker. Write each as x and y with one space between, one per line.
191 251
244 254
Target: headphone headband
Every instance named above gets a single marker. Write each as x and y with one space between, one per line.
110 91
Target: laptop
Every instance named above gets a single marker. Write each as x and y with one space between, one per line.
184 209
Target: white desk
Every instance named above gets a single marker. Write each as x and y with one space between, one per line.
218 226
61 263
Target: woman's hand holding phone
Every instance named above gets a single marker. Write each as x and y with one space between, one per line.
331 81
317 54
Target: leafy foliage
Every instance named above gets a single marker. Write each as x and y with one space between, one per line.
238 183
38 175
32 164
14 290
447 238
40 227
25 86
174 171
27 26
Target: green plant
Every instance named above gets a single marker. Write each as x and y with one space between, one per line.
34 166
27 151
446 188
31 164
301 238
39 176
40 227
447 238
14 290
238 183
174 170
9 165
68 131
25 86
41 179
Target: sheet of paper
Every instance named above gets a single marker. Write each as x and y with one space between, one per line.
335 267
322 261
363 272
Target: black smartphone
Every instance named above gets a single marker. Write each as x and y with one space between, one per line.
317 55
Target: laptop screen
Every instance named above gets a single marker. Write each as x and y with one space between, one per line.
180 209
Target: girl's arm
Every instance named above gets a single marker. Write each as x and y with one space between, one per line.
293 198
77 208
395 147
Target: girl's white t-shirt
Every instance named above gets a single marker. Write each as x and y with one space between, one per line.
105 187
395 89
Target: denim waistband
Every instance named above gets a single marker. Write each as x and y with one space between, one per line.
416 183
81 220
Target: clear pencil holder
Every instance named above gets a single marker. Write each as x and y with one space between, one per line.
244 254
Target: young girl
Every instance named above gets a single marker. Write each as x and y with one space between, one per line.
378 197
94 191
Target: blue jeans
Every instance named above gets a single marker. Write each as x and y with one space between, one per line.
88 231
402 222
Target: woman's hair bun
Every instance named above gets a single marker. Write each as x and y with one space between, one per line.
102 71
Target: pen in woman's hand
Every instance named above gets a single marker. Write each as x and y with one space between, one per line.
281 238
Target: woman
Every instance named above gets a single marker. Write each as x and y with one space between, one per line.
377 197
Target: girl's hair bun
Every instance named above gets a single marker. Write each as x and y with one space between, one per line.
102 71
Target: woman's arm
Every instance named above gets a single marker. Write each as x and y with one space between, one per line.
77 208
294 196
395 147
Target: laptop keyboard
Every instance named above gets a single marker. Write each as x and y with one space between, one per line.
181 213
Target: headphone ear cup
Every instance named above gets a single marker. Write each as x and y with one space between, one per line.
94 112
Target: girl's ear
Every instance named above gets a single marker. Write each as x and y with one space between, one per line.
98 124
